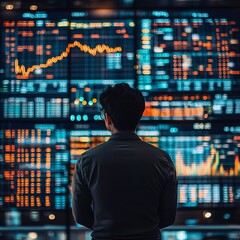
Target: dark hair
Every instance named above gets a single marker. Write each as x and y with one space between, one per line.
125 106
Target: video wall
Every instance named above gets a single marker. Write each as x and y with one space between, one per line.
54 66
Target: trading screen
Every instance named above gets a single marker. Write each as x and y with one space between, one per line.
188 64
34 166
34 80
110 61
54 66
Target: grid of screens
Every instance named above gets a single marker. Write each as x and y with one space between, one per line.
54 66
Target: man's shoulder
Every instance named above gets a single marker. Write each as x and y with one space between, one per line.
155 150
87 158
94 151
159 155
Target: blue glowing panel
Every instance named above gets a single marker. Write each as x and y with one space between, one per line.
207 160
189 64
188 51
34 99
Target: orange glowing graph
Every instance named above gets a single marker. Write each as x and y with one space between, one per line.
24 71
210 167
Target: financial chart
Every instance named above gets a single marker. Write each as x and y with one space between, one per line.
208 171
113 61
188 51
188 64
34 166
55 65
34 76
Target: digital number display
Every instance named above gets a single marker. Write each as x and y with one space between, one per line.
34 166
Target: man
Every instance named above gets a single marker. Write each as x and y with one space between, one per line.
124 188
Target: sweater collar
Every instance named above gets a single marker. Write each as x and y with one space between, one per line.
124 136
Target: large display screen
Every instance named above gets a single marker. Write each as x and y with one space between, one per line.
54 66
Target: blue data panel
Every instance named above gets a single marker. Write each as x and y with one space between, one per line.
189 64
104 45
207 160
34 166
34 99
188 50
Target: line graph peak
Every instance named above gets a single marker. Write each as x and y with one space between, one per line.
100 48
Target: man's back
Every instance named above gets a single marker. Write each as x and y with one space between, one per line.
129 183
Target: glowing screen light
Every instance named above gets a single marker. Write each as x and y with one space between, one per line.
55 65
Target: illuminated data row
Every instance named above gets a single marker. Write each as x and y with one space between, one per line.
176 50
35 99
27 87
191 106
35 160
209 195
39 107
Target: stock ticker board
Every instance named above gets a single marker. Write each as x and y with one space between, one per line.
34 166
54 66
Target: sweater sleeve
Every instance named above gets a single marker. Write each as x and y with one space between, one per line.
168 201
81 198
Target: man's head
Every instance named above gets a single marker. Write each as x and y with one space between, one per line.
123 107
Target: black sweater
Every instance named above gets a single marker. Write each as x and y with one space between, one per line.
124 189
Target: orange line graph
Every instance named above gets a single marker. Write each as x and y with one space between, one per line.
210 167
24 71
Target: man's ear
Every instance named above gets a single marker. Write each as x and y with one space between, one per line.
109 122
108 119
